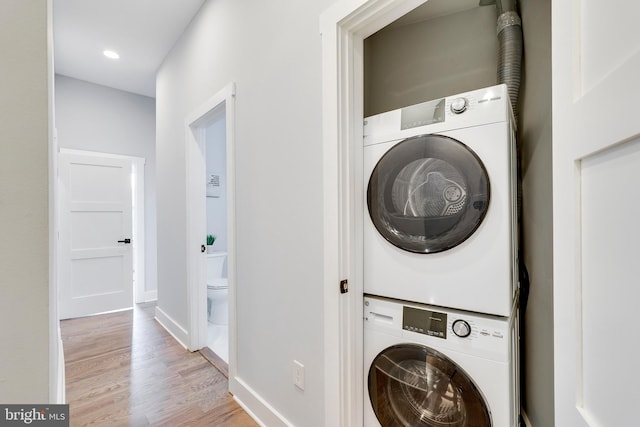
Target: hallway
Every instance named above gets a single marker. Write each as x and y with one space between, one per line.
124 369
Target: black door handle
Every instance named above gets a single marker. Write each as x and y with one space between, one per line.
203 249
124 241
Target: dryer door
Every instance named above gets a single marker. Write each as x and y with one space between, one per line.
412 385
428 194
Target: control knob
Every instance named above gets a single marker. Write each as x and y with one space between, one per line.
461 328
459 105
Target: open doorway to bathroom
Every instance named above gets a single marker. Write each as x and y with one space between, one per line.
216 207
210 203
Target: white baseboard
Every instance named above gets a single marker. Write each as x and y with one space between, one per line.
254 405
61 392
150 296
178 332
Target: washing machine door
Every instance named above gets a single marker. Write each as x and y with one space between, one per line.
428 194
412 385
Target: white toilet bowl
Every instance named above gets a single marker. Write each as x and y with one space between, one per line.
218 296
217 289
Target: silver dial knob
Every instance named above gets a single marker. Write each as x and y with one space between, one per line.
459 105
461 328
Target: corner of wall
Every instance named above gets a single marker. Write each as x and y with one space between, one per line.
175 330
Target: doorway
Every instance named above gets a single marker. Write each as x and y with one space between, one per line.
101 222
344 28
207 127
216 207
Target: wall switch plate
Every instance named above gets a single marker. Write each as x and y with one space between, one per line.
298 374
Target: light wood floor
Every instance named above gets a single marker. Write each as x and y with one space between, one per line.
124 369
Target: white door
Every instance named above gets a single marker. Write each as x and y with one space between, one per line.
96 257
596 185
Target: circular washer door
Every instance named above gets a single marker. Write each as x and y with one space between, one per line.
428 194
412 386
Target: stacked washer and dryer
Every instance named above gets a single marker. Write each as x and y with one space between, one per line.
440 264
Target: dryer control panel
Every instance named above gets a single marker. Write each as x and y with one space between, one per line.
474 108
423 114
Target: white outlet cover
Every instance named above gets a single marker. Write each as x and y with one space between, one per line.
298 374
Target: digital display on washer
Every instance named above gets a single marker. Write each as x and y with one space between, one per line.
425 322
422 114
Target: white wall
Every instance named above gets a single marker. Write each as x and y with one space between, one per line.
427 60
272 50
24 206
216 164
97 118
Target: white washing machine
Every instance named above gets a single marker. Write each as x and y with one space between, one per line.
426 366
440 224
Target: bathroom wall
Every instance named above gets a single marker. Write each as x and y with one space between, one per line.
92 117
427 60
216 164
26 310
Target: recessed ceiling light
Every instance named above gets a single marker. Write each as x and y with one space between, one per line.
111 54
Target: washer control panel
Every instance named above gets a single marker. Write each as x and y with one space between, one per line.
427 322
461 328
445 328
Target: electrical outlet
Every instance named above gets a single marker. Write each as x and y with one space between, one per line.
298 374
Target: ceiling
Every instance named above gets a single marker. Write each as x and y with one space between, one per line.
141 31
434 9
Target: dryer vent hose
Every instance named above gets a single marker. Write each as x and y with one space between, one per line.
510 43
510 47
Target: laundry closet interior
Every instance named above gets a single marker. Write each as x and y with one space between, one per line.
441 225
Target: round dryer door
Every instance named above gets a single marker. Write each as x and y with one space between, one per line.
412 385
428 194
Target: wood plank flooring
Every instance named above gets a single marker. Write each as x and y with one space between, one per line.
216 361
124 369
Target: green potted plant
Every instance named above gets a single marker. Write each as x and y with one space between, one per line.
210 241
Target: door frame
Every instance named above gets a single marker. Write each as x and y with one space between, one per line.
195 129
344 26
586 138
138 231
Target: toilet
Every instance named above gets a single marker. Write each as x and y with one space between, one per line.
217 289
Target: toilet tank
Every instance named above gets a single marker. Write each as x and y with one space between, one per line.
215 264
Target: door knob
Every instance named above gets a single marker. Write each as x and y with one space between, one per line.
124 241
203 248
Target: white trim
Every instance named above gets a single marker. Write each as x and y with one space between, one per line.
175 330
138 237
56 354
249 412
195 165
195 124
261 411
344 27
150 296
101 154
60 396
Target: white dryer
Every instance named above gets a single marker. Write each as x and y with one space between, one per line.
440 223
426 366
